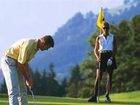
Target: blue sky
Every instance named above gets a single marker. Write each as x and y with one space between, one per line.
34 18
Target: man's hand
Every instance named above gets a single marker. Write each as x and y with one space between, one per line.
29 83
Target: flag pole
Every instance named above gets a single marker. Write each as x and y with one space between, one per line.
99 24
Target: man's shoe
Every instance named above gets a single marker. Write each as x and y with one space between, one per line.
108 100
93 99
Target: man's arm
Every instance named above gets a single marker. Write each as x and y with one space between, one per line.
24 69
96 48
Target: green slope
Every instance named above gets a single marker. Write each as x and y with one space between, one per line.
130 98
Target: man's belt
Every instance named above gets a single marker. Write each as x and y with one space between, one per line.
105 51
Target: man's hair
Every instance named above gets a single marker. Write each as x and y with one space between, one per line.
48 40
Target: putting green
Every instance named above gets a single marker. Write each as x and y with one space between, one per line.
130 98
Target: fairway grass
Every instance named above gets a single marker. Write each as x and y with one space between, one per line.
130 98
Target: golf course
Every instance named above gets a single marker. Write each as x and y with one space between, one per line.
130 98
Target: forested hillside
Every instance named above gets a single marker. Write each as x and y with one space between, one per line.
126 76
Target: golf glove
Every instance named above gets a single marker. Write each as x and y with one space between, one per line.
109 62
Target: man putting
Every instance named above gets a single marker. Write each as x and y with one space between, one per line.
16 70
105 51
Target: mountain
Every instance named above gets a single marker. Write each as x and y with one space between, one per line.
71 39
70 44
124 12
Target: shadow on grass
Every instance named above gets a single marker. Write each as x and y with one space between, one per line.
127 103
121 103
92 103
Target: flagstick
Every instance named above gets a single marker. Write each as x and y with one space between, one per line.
100 19
98 96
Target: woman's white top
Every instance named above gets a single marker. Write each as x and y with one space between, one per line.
106 43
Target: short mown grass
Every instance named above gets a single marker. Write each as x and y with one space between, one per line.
130 98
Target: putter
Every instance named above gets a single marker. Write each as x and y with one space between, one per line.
34 99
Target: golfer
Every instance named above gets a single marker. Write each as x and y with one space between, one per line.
105 51
16 70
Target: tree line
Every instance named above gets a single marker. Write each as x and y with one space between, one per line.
44 83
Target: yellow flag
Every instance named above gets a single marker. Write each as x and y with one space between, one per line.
100 18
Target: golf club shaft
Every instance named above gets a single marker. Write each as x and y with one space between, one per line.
34 99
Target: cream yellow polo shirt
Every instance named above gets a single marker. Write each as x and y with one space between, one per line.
23 50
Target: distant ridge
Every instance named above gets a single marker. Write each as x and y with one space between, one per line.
71 39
